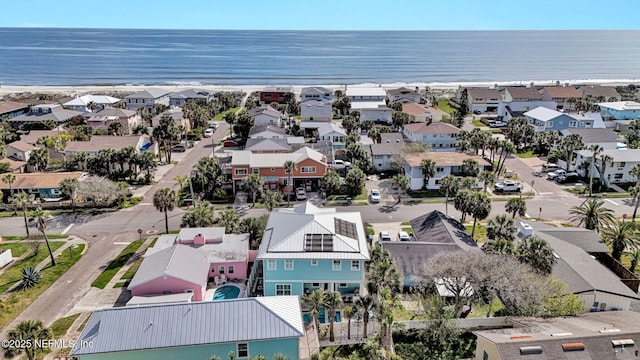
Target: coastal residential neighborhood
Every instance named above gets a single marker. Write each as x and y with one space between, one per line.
321 222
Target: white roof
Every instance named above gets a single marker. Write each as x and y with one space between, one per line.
274 159
285 234
365 91
369 105
316 103
160 299
621 105
328 128
543 114
86 99
618 155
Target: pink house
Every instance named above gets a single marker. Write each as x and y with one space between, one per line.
173 270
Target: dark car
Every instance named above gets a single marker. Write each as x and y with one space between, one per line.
179 148
568 178
230 143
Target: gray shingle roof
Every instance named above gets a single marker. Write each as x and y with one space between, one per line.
178 261
192 324
57 113
484 93
99 142
150 93
587 240
270 144
112 111
266 110
191 94
590 135
521 92
261 128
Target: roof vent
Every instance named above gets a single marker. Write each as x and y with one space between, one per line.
622 343
573 347
530 350
562 334
608 331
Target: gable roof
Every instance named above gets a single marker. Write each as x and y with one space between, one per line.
387 147
11 106
287 229
178 261
326 128
597 90
191 324
587 240
34 135
521 92
277 160
436 127
267 144
562 92
484 93
543 114
149 93
367 91
593 135
112 111
444 158
413 109
100 142
55 112
618 155
315 90
21 145
191 94
402 91
41 180
621 105
262 128
84 100
266 110
316 103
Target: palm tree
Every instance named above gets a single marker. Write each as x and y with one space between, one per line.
635 194
28 332
480 209
635 171
537 253
69 187
289 168
486 177
605 160
366 305
165 200
331 301
498 246
620 235
9 178
39 159
383 275
595 151
349 312
516 206
449 184
116 128
30 278
428 168
374 134
200 215
229 220
634 258
401 182
271 199
22 200
313 302
592 214
253 184
81 158
40 217
502 227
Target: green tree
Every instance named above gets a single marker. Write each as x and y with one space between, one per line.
469 167
428 169
374 134
200 215
116 128
331 182
486 177
165 200
40 217
349 312
9 178
229 219
354 181
635 171
350 124
569 144
516 206
22 200
31 333
39 159
313 302
480 209
244 123
365 304
595 151
30 278
449 185
634 258
206 176
635 194
620 235
69 187
254 184
592 214
290 167
400 182
605 160
271 199
501 227
463 202
537 253
499 247
399 119
331 302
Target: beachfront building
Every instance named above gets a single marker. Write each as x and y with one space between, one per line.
620 110
308 248
403 93
11 109
616 171
177 115
370 102
315 93
44 186
180 98
267 115
447 163
599 93
147 99
41 113
247 327
438 135
544 119
311 165
483 100
139 143
520 99
274 94
90 103
105 117
562 95
389 148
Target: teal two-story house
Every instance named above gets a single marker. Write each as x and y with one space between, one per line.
309 248
198 330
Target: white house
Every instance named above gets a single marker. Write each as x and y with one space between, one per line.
447 163
520 99
440 136
404 93
82 103
382 154
370 101
147 99
315 93
483 100
316 110
266 132
19 150
561 95
616 172
331 132
266 115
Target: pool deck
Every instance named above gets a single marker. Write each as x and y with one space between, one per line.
211 288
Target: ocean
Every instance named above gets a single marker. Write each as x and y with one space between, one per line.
34 56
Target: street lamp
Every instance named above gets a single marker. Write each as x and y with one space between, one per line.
139 234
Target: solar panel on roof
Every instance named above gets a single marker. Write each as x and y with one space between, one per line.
346 228
318 242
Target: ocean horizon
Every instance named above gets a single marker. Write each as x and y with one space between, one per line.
76 57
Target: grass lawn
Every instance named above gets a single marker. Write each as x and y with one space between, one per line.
34 237
120 284
478 123
222 114
480 310
17 249
444 106
13 275
17 302
369 229
408 229
421 194
108 273
62 325
132 270
480 235
405 223
526 154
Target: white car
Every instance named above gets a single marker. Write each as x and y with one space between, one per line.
375 196
384 236
403 236
209 132
554 174
301 194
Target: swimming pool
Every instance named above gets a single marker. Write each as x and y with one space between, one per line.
226 292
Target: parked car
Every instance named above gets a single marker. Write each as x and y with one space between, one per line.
339 164
179 148
382 122
568 178
498 124
384 236
550 167
230 143
209 132
213 125
477 112
507 186
554 174
404 236
374 196
301 194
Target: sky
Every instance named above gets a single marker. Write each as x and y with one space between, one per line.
325 15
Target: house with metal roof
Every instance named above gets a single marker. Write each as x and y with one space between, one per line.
620 110
180 98
370 102
433 233
316 93
438 135
544 119
267 115
605 137
591 336
147 99
200 330
41 113
90 103
447 163
308 248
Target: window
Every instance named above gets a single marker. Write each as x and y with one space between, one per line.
308 169
617 176
439 169
337 265
283 289
221 269
573 123
549 124
342 285
288 264
240 171
623 164
255 170
231 269
314 262
243 350
355 265
271 264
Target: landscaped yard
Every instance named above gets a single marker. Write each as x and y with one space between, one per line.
17 249
222 114
12 275
62 325
108 273
526 154
444 106
480 235
478 123
17 302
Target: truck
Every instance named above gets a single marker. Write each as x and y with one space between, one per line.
507 186
554 174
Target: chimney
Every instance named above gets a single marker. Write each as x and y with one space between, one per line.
566 84
558 83
531 84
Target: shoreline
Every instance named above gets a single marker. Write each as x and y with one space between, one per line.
442 86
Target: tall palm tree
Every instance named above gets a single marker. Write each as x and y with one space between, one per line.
229 220
401 182
595 151
331 301
537 253
9 178
502 228
635 194
634 258
22 201
289 168
165 200
313 302
69 187
498 246
516 206
428 168
27 332
480 209
39 159
40 216
383 275
620 235
271 199
81 158
592 214
365 304
635 172
253 184
449 184
486 177
605 160
349 312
